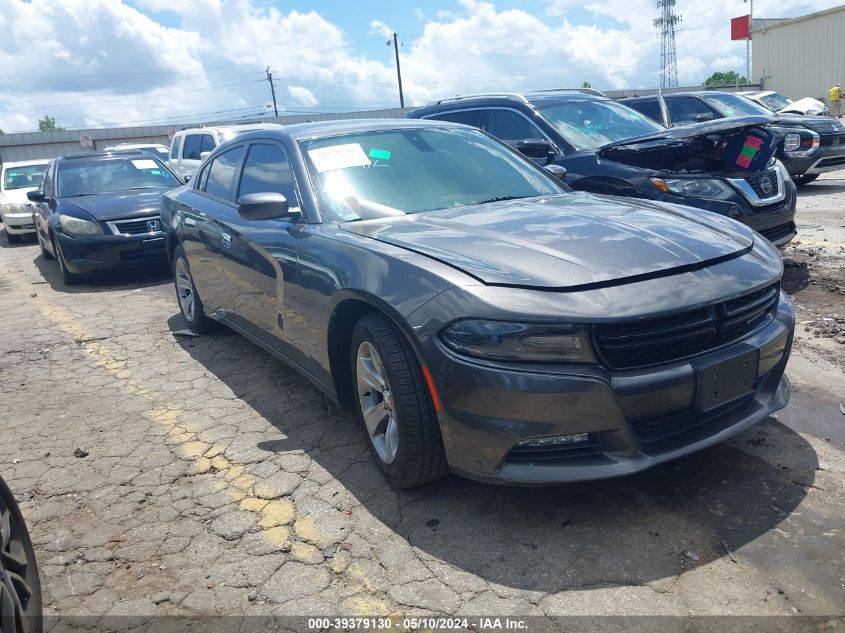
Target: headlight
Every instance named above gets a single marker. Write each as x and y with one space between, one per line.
78 226
808 142
791 142
694 187
534 342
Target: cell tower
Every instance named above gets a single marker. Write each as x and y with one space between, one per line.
668 56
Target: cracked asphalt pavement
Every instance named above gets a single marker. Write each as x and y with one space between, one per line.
169 474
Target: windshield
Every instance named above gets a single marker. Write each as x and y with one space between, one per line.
775 101
88 177
592 124
390 172
161 152
24 177
735 105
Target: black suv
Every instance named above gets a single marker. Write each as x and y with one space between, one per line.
811 145
606 147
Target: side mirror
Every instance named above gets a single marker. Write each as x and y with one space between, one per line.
558 171
35 196
264 206
535 148
187 179
204 155
701 118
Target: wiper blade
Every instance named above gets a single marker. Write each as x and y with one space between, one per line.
501 199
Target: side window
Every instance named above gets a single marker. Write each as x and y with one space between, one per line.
207 144
174 148
221 174
688 109
467 117
650 108
267 170
192 144
510 126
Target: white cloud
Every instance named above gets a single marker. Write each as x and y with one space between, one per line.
97 62
303 96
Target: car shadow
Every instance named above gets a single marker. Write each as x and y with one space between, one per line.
27 239
143 275
796 275
632 530
826 187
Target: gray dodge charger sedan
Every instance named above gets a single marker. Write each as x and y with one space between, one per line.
479 316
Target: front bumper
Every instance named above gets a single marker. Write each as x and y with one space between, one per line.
826 158
91 253
776 222
17 223
488 409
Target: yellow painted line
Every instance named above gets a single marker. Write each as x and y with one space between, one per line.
204 457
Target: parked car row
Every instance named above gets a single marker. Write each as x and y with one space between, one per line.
480 316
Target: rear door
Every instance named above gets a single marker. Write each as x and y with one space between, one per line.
260 256
210 204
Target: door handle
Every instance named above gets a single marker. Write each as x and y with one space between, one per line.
226 239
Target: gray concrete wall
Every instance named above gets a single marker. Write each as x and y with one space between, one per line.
32 145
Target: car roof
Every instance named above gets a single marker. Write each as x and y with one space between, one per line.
528 99
229 128
104 154
317 129
134 145
26 163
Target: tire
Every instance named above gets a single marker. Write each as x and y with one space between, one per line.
13 239
190 303
70 279
44 252
404 434
805 179
20 586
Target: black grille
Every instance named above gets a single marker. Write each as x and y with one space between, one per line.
832 139
776 233
549 455
755 182
833 161
661 427
678 336
136 227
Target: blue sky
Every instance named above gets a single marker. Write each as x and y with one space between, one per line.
135 62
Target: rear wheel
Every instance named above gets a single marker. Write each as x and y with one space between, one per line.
190 304
394 405
20 587
70 279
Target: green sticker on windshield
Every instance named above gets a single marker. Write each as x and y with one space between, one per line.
380 154
155 172
12 174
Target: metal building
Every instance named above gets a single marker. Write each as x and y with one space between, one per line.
800 57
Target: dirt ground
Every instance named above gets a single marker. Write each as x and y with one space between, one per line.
217 481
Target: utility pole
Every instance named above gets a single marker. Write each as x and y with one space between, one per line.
272 90
748 41
398 71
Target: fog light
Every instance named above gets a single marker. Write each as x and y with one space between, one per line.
556 440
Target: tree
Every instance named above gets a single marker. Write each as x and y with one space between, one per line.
586 84
729 78
48 124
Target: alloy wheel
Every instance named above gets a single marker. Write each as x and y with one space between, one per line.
185 289
18 576
376 400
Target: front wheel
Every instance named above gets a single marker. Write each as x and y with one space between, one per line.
394 406
70 279
44 252
190 304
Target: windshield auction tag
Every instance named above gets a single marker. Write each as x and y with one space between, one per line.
145 163
338 157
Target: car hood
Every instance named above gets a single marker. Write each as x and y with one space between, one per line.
693 148
820 124
567 242
120 204
807 105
